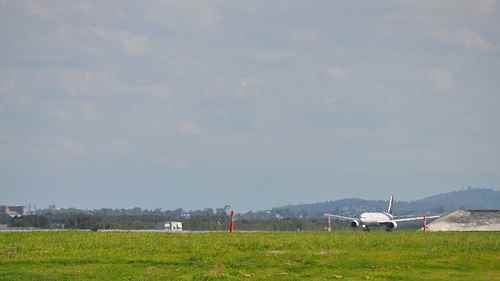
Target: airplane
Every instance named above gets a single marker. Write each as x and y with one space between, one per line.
386 218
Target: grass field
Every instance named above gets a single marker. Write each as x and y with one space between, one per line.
249 256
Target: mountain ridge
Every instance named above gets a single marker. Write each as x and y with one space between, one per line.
470 198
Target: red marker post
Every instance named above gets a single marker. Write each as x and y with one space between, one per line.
329 223
231 225
424 224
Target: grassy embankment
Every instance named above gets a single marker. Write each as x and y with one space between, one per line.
250 256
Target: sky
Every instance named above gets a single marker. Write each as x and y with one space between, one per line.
193 104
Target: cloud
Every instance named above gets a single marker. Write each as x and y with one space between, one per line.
167 162
305 35
119 147
6 86
55 148
160 89
455 10
60 115
73 148
337 73
37 8
474 40
187 127
442 80
199 15
248 88
482 7
76 82
136 45
459 22
466 39
88 111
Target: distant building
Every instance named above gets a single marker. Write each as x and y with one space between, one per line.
186 215
13 211
173 226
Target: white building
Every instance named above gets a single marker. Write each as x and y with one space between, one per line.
173 226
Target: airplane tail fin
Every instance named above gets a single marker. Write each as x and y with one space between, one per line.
391 205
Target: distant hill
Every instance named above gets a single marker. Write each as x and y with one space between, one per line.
471 198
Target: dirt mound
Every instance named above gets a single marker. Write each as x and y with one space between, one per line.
468 220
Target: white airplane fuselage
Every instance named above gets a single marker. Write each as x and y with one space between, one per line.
374 218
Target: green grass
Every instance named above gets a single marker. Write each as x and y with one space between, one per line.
250 256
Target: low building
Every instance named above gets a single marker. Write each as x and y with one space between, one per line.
173 226
467 220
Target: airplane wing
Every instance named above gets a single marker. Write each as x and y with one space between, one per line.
341 217
415 218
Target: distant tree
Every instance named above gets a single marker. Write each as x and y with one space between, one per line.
5 219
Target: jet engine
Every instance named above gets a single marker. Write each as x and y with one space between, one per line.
391 225
354 224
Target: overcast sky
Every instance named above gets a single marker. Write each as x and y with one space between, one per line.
167 104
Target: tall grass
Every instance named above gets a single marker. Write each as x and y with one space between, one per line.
250 256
